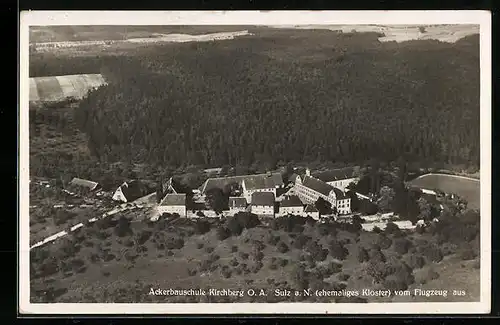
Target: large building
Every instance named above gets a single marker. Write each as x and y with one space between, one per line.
291 205
338 178
309 189
262 204
173 203
250 184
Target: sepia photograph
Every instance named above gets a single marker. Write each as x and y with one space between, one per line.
255 162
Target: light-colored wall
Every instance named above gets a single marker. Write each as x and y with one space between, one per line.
344 206
118 196
179 209
262 210
314 215
310 196
343 183
236 210
291 210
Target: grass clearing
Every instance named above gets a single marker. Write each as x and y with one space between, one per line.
467 188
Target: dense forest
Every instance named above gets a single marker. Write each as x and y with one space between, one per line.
290 98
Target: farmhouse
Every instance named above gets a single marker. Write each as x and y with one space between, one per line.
83 184
237 204
250 184
311 211
291 205
129 191
173 203
262 203
338 178
309 189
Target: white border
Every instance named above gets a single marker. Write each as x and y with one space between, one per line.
45 18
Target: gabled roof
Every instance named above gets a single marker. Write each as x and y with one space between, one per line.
237 202
339 195
263 198
310 208
133 190
169 187
292 201
335 174
258 181
317 185
293 177
83 183
174 199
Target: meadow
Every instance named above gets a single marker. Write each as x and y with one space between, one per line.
467 188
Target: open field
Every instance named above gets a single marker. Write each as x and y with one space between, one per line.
44 34
467 188
59 88
112 262
401 33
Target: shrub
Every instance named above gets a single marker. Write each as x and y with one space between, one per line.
273 240
384 242
282 247
247 220
234 262
201 227
391 228
416 261
257 267
401 245
300 277
143 237
123 227
174 243
258 245
298 228
377 230
199 245
209 250
363 255
301 241
283 262
337 250
244 256
420 230
234 249
223 233
258 256
334 267
376 255
323 230
234 226
343 277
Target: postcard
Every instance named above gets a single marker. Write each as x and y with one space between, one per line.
247 162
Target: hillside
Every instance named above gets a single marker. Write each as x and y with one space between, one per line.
120 260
